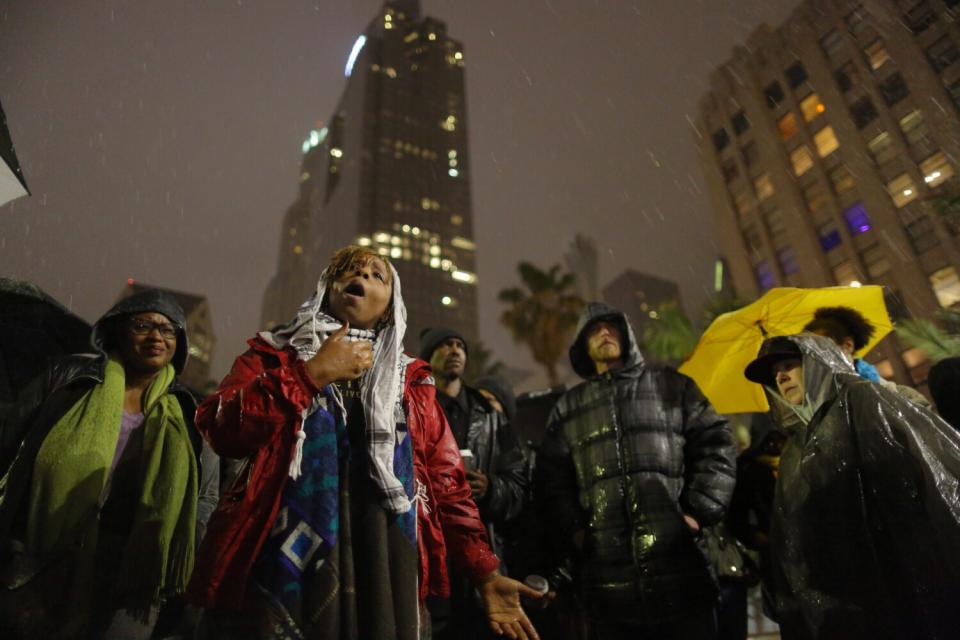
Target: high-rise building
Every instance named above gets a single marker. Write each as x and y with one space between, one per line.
196 374
828 146
640 296
390 170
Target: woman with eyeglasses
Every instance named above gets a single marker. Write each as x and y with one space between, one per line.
101 483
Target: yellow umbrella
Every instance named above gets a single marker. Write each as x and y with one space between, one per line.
733 339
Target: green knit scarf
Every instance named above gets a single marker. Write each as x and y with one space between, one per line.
71 471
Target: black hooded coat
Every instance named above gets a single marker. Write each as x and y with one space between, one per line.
627 453
865 537
24 426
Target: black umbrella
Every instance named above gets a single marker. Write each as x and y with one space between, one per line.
35 329
12 183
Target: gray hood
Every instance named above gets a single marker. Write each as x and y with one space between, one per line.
594 312
145 301
824 369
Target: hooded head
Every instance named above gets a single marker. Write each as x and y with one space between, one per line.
500 389
106 331
593 313
944 381
824 368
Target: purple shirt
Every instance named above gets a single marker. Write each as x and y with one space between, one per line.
131 437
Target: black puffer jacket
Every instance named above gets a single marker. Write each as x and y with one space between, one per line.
498 454
866 523
25 425
626 454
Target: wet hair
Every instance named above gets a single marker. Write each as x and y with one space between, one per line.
351 257
838 323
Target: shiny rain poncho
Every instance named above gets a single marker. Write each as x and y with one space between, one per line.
866 527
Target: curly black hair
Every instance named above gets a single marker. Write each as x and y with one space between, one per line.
838 323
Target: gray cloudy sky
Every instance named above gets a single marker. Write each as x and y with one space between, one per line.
162 140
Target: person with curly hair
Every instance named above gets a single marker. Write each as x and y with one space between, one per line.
850 331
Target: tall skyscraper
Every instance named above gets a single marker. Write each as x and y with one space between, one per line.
828 144
390 170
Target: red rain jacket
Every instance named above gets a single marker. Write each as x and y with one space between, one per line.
256 411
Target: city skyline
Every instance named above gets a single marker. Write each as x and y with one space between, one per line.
390 171
166 147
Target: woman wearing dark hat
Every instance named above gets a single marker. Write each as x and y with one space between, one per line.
100 486
865 537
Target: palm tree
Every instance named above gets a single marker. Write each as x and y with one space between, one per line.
937 343
543 313
669 336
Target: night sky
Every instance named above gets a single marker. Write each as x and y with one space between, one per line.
161 140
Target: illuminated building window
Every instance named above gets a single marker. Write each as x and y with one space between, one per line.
431 36
449 123
435 262
364 241
336 152
382 237
464 276
857 219
801 160
763 186
742 202
936 169
410 37
456 219
881 148
391 72
787 126
765 276
788 261
829 237
876 54
811 107
902 190
845 274
863 112
297 249
842 179
448 301
826 141
463 243
913 127
946 286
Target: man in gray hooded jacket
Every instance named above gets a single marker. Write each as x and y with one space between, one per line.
634 462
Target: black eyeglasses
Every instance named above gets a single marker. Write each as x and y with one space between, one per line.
144 328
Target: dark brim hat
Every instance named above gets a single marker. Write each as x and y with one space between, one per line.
430 339
772 351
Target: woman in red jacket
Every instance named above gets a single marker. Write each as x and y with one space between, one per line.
353 492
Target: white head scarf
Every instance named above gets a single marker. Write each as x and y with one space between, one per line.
381 388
